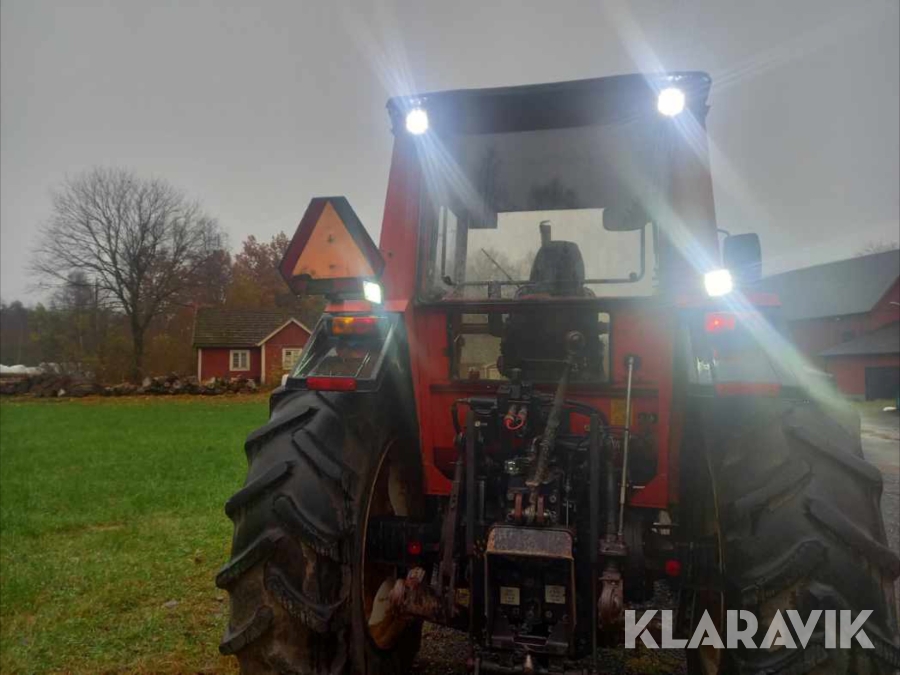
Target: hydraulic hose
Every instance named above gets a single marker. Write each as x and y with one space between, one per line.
548 438
623 488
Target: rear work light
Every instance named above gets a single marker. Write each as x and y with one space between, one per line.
356 325
331 383
719 322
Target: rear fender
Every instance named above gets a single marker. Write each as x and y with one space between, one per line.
370 363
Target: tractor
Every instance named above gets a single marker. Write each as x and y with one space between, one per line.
551 389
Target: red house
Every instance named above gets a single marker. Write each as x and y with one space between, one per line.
844 317
258 344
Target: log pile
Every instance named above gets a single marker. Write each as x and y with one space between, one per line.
52 385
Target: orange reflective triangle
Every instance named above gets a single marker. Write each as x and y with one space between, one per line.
331 251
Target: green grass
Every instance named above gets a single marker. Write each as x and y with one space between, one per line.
109 511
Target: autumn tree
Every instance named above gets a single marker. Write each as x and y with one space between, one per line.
141 242
257 283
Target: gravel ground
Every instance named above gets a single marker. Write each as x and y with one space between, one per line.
444 651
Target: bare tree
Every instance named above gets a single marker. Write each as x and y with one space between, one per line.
140 242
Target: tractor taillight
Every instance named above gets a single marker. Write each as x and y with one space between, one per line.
356 325
719 322
331 383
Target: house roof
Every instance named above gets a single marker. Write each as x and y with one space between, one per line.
239 327
851 286
885 340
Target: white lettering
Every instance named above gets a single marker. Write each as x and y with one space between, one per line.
634 630
851 629
705 634
668 642
735 635
830 629
778 634
804 630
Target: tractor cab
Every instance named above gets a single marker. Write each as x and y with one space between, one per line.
533 400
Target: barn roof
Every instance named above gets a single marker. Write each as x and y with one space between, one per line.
851 286
885 340
239 327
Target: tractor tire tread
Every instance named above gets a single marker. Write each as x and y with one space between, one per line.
293 570
816 440
852 535
786 479
315 616
275 425
242 562
258 625
761 584
314 533
792 662
322 462
800 517
257 487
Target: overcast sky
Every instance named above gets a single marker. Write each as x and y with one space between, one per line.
254 108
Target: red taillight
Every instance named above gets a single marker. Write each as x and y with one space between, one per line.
673 568
414 547
331 383
355 325
718 322
748 388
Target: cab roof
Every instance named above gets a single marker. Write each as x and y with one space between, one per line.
574 103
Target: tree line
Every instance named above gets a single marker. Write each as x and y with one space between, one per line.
127 262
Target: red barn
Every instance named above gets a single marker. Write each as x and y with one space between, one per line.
844 317
258 344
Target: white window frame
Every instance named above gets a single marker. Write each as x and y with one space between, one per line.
284 351
237 352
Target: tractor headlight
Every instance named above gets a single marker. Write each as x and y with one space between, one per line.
372 292
718 282
670 102
417 121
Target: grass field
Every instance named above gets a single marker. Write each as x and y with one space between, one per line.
112 529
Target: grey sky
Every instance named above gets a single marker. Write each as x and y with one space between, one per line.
255 109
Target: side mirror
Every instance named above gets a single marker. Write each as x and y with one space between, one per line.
742 256
625 216
330 253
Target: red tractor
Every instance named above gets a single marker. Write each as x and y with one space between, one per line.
546 390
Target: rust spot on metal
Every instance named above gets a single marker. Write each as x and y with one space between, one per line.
412 597
526 541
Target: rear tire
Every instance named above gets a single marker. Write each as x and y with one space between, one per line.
799 527
295 578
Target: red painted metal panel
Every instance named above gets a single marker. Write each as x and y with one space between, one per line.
642 328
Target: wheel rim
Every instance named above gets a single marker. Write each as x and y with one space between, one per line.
389 495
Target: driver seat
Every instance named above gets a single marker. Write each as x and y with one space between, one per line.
558 269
